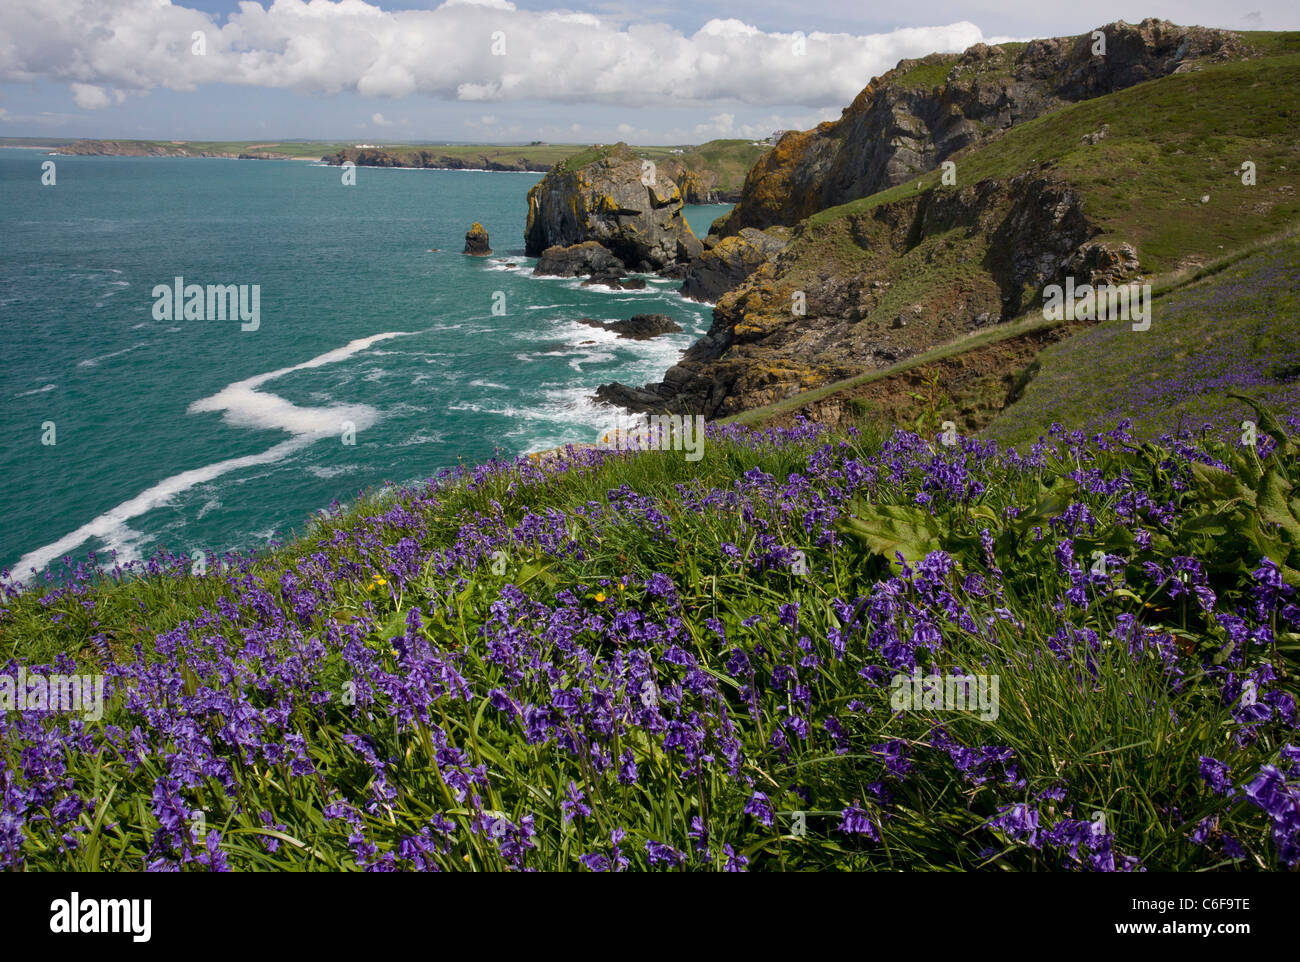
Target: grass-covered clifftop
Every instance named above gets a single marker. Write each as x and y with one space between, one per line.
1147 184
637 661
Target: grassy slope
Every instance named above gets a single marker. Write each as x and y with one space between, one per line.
729 159
1170 142
1234 330
1126 742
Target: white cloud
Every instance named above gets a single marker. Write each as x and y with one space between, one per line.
723 125
323 47
90 97
379 121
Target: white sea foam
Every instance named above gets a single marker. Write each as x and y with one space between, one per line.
331 470
111 526
241 405
421 437
594 357
39 390
94 361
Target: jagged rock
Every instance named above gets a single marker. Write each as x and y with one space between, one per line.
379 157
1031 230
1097 263
476 241
899 127
620 395
729 261
636 214
614 282
1097 136
639 327
575 260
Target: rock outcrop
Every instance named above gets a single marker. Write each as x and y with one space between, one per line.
476 241
607 197
912 118
844 298
576 260
727 263
429 159
639 327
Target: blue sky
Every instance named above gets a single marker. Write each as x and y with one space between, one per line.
390 71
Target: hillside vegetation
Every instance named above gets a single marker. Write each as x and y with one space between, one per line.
632 660
1145 184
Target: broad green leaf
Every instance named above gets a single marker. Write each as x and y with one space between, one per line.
886 529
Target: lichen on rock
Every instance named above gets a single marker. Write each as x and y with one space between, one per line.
617 200
476 241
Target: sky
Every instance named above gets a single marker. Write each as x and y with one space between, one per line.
494 71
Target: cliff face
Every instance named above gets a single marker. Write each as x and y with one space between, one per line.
379 157
725 265
920 113
874 288
608 198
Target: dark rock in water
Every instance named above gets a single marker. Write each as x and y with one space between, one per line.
640 327
728 262
627 205
476 241
620 395
577 259
614 282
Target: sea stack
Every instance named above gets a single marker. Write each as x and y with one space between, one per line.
611 196
476 241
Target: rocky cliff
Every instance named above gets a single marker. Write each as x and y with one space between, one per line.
724 265
914 117
873 288
477 243
431 159
610 197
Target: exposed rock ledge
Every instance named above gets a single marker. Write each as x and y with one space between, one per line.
606 196
476 241
639 327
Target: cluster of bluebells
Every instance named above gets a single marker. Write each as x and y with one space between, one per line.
436 715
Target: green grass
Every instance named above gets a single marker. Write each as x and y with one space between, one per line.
1232 328
1106 725
1171 141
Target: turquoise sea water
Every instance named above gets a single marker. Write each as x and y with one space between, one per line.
195 434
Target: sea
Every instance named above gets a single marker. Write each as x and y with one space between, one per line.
379 352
